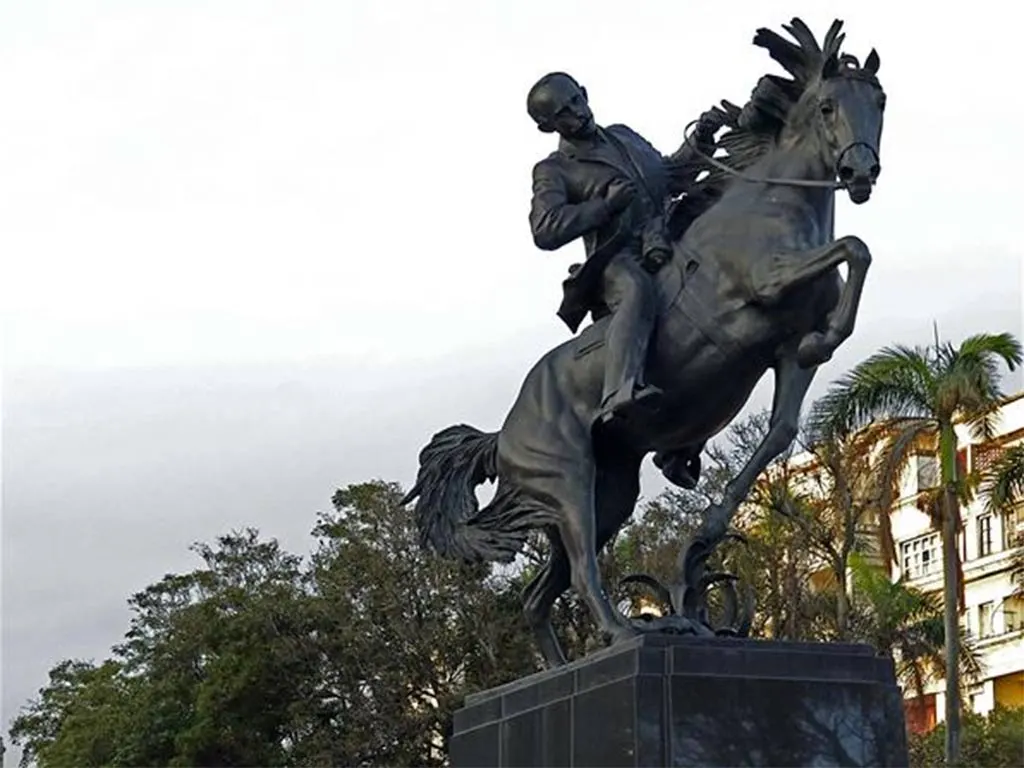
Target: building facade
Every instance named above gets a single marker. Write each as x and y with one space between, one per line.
994 615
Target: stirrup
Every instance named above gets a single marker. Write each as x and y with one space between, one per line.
645 396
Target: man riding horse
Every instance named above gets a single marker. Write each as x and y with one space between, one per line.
753 284
609 186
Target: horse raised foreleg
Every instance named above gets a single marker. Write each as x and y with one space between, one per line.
791 384
777 274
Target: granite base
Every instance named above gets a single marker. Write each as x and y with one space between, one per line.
663 700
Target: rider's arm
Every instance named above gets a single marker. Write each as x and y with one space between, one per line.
682 167
686 163
553 219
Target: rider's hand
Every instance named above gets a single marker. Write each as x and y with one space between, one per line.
710 122
620 194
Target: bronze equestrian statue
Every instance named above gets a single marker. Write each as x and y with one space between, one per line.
752 284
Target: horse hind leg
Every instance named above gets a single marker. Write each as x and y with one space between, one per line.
539 597
578 526
616 492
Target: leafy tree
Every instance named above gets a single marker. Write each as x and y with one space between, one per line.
907 396
773 563
256 658
651 543
78 718
836 508
995 740
214 664
405 634
781 568
1003 484
907 625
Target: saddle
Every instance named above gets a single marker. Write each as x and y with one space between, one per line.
683 300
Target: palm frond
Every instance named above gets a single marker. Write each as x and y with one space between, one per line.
971 376
900 439
897 382
1005 346
982 424
1003 484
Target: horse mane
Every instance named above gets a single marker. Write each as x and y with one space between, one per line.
754 128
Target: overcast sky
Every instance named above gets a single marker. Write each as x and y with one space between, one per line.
254 251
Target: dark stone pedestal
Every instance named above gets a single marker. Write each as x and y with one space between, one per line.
665 700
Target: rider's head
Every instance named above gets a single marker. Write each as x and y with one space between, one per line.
558 104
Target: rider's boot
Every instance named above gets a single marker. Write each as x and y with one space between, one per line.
626 353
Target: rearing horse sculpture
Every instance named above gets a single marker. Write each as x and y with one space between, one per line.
753 285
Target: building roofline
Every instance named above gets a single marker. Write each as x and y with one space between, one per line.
1019 395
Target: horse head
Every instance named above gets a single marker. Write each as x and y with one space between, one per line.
832 100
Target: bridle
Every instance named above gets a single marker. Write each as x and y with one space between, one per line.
833 183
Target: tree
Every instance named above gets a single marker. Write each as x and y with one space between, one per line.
907 625
908 397
774 562
215 669
1002 488
358 657
78 717
405 635
994 740
1003 484
828 504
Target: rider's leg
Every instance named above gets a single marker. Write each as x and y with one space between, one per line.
629 292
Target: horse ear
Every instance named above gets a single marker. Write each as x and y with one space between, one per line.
871 62
830 67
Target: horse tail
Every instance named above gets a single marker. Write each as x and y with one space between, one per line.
452 465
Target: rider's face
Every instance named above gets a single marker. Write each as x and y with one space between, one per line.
566 103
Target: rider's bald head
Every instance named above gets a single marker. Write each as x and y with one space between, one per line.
551 95
548 95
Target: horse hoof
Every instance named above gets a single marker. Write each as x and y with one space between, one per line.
671 624
623 633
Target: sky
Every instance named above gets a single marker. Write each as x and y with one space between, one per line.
254 251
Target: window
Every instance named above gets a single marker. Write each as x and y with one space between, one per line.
921 556
985 535
927 472
1012 609
985 619
984 456
1010 621
1013 527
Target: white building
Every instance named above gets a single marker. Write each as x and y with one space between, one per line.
994 618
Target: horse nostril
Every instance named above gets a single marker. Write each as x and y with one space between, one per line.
875 170
846 173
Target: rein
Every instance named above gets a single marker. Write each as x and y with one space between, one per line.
820 184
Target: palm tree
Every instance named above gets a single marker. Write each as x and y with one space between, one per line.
912 397
1003 489
1003 486
907 625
